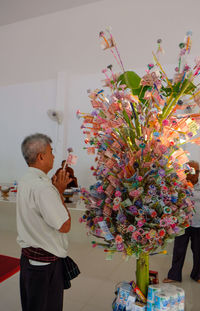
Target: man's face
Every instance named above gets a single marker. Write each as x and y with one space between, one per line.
193 178
48 158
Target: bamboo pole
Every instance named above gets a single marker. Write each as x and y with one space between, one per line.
142 272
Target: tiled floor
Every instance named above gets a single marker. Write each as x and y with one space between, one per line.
93 290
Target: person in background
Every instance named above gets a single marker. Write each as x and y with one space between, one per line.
69 170
73 183
43 222
191 233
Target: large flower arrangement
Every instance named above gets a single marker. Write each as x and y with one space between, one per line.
141 198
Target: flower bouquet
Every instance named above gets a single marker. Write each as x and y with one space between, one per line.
141 199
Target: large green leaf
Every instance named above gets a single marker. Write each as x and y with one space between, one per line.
140 92
131 79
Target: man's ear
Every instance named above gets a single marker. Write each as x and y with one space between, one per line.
40 156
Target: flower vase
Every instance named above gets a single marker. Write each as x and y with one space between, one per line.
142 272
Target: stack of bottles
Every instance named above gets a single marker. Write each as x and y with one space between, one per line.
126 299
161 297
165 297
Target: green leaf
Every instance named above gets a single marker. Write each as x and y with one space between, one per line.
126 117
140 92
131 79
166 91
190 88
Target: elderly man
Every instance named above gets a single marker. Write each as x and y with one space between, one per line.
43 222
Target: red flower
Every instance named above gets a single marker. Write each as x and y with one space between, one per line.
161 233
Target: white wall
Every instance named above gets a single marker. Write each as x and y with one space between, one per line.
38 48
23 112
34 51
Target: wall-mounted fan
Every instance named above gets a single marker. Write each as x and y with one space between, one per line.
55 115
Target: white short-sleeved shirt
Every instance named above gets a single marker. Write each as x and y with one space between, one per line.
40 214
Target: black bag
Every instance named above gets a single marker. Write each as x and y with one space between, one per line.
71 271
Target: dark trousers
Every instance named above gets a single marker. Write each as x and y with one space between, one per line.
41 287
179 252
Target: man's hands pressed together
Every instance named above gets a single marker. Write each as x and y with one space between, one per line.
61 180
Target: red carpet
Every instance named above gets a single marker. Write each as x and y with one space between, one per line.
8 267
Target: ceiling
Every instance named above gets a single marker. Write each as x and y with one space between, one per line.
12 11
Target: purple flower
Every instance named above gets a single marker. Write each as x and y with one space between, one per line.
120 247
163 162
176 229
122 218
161 172
133 209
190 134
94 113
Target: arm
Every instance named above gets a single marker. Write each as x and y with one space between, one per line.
60 181
67 225
52 209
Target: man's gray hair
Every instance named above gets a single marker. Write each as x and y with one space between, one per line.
34 144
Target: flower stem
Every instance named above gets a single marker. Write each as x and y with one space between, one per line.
142 272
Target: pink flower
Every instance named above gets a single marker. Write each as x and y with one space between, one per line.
98 232
134 193
99 202
115 207
139 178
100 189
130 228
78 114
165 122
118 239
140 223
118 193
135 235
170 231
95 220
162 223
